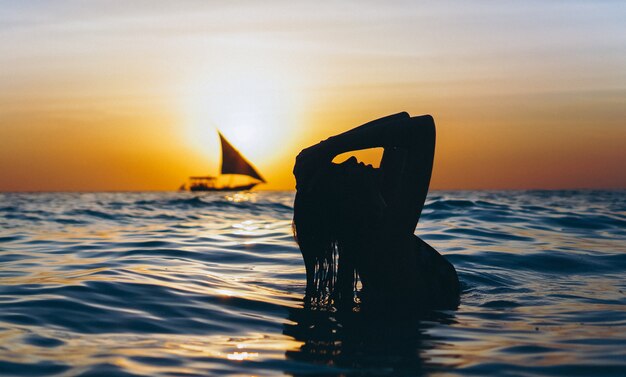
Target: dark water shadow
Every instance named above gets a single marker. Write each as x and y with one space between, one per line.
353 343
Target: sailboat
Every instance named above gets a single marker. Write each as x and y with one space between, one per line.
233 163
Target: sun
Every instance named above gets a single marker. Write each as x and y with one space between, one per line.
254 110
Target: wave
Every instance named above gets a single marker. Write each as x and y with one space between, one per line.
113 307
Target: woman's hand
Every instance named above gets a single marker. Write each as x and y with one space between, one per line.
310 159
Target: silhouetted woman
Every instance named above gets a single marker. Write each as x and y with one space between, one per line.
355 222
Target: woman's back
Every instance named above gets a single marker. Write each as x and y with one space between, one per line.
405 271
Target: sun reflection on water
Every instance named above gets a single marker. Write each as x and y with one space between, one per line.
240 197
241 356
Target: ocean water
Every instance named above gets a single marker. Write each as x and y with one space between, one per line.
179 284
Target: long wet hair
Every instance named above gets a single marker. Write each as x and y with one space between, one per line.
332 214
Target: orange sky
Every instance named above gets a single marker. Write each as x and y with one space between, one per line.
128 97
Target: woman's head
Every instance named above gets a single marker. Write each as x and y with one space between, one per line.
344 199
340 205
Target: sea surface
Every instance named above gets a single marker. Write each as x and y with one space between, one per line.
181 284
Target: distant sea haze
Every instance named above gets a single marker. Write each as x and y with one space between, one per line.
162 284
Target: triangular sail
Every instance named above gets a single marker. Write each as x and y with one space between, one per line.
234 163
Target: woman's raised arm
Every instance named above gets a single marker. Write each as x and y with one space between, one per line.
403 132
397 130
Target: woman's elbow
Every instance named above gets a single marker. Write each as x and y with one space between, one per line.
424 129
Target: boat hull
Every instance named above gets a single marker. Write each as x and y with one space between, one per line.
230 188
